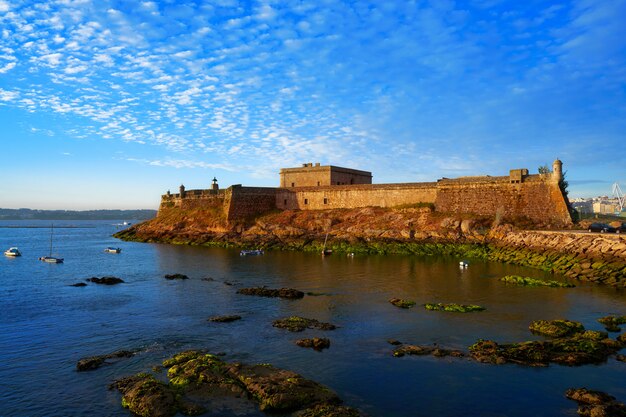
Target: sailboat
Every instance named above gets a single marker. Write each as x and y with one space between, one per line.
51 259
324 250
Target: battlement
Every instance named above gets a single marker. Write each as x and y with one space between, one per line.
316 187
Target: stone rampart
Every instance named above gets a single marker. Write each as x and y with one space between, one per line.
538 198
354 196
242 202
519 195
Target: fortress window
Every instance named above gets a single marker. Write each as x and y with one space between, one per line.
306 201
318 183
325 201
285 201
293 184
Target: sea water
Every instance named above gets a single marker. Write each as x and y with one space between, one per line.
47 325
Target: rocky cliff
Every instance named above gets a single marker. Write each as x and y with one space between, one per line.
416 230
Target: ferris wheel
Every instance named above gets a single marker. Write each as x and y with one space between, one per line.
621 199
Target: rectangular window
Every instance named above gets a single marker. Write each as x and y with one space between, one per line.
325 201
293 184
306 201
318 183
285 201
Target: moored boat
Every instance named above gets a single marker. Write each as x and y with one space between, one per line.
113 250
13 252
51 260
251 252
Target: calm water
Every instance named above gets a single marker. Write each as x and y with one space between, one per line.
46 325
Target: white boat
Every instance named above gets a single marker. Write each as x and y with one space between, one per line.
13 252
113 250
252 252
51 259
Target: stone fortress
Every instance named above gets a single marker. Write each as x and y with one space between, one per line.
536 197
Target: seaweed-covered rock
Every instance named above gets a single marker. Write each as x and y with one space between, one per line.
329 410
622 339
556 328
194 370
176 276
426 350
196 378
532 282
281 390
94 362
612 323
579 349
105 280
317 343
145 396
399 302
224 319
78 284
298 324
456 308
595 403
621 358
288 293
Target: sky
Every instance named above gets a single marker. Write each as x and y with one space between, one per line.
109 104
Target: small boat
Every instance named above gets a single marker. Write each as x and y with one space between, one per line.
113 250
126 224
51 259
463 264
326 252
252 252
13 252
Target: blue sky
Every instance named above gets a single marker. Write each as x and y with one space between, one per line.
108 104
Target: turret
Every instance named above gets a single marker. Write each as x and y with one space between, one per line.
557 170
182 191
214 185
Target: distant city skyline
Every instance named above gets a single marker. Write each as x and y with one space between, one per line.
108 104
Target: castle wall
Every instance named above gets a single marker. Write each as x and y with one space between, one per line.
242 202
537 197
351 196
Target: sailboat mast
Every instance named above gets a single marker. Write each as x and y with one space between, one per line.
51 231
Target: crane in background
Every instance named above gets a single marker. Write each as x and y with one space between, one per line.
617 193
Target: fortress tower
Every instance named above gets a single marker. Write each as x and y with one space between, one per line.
557 170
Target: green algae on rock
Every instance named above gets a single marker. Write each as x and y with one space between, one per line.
555 328
298 324
581 348
329 410
452 307
317 343
612 323
596 403
288 293
196 377
421 350
399 302
146 396
532 282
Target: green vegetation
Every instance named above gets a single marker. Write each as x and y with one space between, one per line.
556 328
399 302
455 308
532 282
612 323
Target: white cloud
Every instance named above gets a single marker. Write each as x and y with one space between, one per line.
7 67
